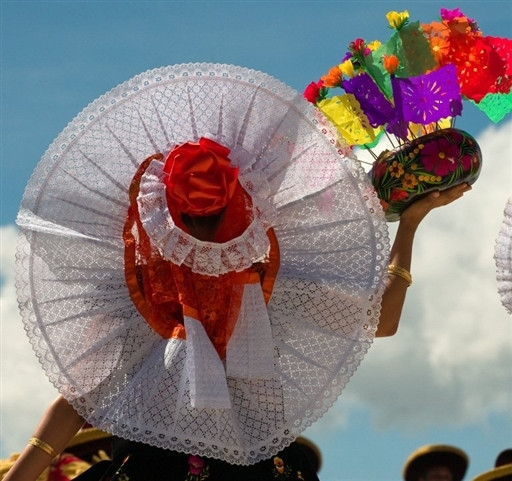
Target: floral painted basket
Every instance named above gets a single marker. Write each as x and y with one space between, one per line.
435 161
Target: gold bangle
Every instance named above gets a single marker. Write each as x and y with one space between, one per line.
400 272
39 443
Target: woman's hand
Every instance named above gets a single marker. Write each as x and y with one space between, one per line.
416 212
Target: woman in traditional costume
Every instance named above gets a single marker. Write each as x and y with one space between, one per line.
203 263
202 266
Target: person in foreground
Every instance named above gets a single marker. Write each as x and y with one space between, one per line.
61 421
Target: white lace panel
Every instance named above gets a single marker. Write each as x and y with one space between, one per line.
205 370
250 350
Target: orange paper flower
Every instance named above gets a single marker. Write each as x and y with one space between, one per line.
390 63
333 78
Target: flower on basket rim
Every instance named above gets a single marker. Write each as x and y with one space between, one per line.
396 169
397 195
409 181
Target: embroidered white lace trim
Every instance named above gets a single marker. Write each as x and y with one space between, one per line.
207 258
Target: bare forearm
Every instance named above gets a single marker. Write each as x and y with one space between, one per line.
396 288
401 254
57 427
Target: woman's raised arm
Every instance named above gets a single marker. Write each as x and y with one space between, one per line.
401 255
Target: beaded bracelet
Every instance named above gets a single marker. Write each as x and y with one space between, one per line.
400 272
39 443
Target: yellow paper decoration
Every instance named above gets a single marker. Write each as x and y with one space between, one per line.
345 113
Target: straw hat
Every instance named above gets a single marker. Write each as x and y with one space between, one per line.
88 442
312 452
504 457
436 454
501 473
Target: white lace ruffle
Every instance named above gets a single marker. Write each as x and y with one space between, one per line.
250 350
207 258
503 258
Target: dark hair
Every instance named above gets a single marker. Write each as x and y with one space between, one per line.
505 457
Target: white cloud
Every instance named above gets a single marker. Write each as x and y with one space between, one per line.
24 390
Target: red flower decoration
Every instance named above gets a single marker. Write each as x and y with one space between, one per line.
357 46
398 195
195 465
441 156
200 179
312 91
379 169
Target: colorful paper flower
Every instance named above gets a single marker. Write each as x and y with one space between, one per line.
397 19
358 46
374 45
347 68
200 178
456 14
312 91
333 78
423 72
390 63
412 87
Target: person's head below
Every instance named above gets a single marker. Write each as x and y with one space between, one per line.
436 473
503 458
436 462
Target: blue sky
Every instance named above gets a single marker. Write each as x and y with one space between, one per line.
446 376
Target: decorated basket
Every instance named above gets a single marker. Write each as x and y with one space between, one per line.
434 161
409 90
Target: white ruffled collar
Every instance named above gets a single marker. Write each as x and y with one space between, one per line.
209 258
